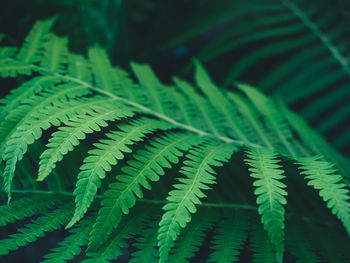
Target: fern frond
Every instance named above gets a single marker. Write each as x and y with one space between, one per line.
274 119
251 115
147 165
25 130
147 128
220 102
69 136
314 141
101 159
183 200
200 110
157 94
112 248
26 207
270 194
71 245
102 68
56 54
190 241
33 107
7 52
323 176
261 245
147 241
27 90
79 68
229 238
34 44
36 229
12 69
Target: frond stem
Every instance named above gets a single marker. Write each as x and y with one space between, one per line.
149 201
145 109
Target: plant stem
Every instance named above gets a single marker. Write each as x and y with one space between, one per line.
149 201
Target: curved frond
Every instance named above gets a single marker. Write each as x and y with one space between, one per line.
34 43
190 241
230 235
69 136
323 177
31 232
183 200
26 207
101 159
146 243
147 166
270 194
71 245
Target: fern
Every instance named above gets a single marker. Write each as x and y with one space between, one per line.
190 241
182 201
37 228
229 238
25 207
292 33
146 242
100 160
106 147
322 176
271 195
147 166
71 245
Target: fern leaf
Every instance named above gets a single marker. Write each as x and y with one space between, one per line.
34 43
252 116
56 54
261 245
323 177
112 249
12 69
183 200
36 229
7 52
156 91
102 68
229 238
270 194
26 207
274 119
190 241
79 68
146 243
219 101
147 166
34 106
101 160
314 141
71 245
64 140
26 90
201 112
28 129
126 88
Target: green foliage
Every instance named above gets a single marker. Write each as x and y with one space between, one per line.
271 195
114 146
280 38
229 238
